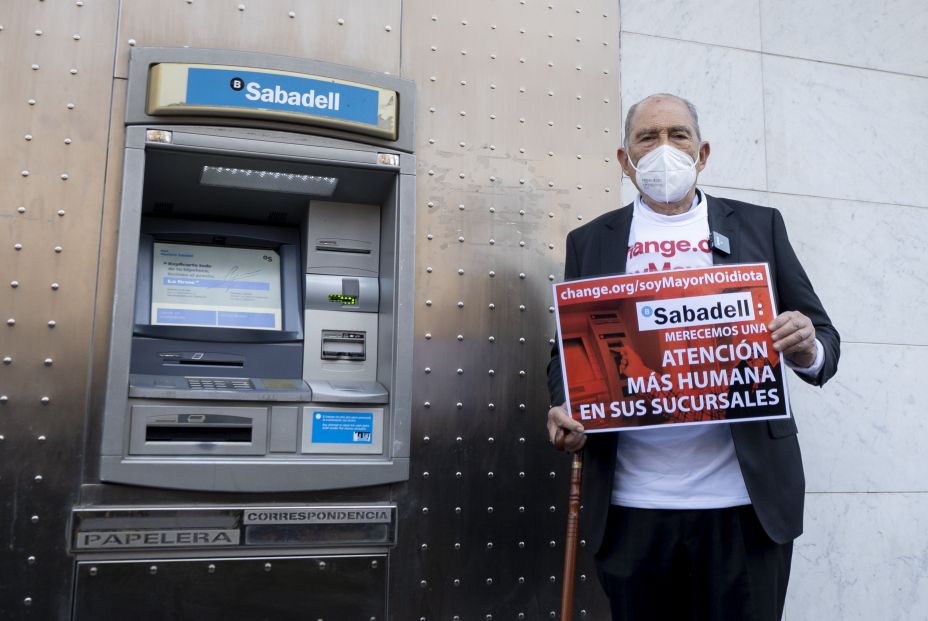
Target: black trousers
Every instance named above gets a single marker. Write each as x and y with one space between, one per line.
698 565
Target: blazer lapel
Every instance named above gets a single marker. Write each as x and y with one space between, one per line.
721 221
614 243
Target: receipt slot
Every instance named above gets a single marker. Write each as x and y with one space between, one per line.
261 331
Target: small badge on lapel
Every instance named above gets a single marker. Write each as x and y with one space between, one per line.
720 243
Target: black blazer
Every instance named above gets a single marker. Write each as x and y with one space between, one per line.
768 451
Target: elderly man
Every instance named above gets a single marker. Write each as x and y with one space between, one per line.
693 522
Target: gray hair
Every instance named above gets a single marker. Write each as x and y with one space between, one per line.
689 106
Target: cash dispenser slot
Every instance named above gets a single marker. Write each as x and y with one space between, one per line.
343 245
171 430
343 345
202 359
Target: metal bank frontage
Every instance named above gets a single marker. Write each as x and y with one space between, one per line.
278 305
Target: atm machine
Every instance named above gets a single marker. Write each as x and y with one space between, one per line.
260 343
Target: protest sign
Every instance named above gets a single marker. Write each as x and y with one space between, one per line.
668 348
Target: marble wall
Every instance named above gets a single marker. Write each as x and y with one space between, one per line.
820 109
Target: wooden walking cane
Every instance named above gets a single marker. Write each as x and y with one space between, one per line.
570 539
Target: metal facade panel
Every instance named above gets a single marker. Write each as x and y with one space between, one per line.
517 126
56 72
360 33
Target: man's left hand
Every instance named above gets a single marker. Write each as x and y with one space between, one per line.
794 337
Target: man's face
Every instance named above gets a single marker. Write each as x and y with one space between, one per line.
659 121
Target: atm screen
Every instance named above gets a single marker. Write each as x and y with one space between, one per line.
215 286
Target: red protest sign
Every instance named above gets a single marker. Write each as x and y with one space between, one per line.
680 347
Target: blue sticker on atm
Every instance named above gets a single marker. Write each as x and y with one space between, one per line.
283 93
343 427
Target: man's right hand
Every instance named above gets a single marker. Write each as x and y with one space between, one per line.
564 432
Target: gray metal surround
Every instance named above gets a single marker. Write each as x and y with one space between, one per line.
273 473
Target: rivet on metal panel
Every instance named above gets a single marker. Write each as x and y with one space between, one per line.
153 570
70 106
490 475
38 478
458 475
45 400
92 571
552 579
491 372
552 544
131 42
428 336
522 581
492 87
522 545
521 373
522 475
550 341
30 560
81 2
522 406
432 110
73 71
268 567
241 7
460 371
76 37
424 547
492 339
583 612
492 273
428 302
52 323
429 237
427 404
490 583
522 307
55 286
429 269
491 406
521 440
34 519
582 541
211 568
582 577
428 369
459 405
489 545
61 213
460 304
322 565
456 582
28 137
7 360
459 439
58 249
25 173
2 437
41 439
461 239
434 48
423 583
426 439
461 269
35 67
521 509
463 22
425 474
21 209
460 337
11 322
457 510
521 616
388 28
27 601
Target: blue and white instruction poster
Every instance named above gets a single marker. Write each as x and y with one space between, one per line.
343 427
219 287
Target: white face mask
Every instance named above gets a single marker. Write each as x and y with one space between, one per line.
665 174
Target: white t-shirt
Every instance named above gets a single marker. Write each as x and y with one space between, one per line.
691 467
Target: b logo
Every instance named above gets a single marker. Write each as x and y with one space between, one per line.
647 311
237 84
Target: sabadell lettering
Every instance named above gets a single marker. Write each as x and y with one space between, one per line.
309 99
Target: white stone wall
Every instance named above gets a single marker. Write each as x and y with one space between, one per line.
820 109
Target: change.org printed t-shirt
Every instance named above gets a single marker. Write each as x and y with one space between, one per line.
691 467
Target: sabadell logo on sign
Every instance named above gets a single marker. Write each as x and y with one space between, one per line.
309 99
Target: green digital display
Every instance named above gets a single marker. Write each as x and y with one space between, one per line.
344 300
